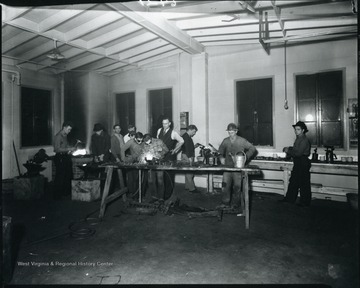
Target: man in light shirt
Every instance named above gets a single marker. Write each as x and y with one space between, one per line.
173 142
127 136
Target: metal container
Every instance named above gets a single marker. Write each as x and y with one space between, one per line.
239 159
211 160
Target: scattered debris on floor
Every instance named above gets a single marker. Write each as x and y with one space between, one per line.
334 271
174 208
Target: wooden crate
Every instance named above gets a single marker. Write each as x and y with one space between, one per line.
85 190
29 187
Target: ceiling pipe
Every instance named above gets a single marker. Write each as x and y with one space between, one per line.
17 76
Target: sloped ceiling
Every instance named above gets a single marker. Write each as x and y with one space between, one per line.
117 36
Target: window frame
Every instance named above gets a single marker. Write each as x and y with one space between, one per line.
115 119
344 125
149 123
50 119
236 112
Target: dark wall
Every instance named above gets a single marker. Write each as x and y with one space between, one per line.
75 105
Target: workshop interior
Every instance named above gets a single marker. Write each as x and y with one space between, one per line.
180 142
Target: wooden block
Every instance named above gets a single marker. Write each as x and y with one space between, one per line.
29 187
85 190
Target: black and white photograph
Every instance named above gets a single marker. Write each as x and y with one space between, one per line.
168 142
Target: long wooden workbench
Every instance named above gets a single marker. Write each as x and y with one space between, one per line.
337 168
106 198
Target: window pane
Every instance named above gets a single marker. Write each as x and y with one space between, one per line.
306 87
312 134
307 110
321 92
36 124
125 109
160 104
254 109
331 133
264 134
330 110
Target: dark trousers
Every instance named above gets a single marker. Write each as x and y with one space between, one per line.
133 181
300 180
63 176
161 183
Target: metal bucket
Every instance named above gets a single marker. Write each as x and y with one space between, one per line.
240 160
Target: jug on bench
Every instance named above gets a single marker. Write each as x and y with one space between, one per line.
239 159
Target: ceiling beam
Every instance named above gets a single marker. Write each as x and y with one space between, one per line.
264 31
82 61
94 24
130 43
63 15
11 13
278 16
17 40
160 27
333 32
142 48
61 37
113 35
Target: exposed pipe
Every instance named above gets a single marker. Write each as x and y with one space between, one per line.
286 106
17 77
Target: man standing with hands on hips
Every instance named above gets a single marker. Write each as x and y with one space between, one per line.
173 142
300 174
231 146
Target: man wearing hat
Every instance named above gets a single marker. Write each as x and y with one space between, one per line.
231 146
300 175
100 144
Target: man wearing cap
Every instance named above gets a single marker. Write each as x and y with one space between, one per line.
300 175
100 144
63 162
231 146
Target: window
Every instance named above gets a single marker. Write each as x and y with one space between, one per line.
36 117
125 110
254 110
320 104
160 106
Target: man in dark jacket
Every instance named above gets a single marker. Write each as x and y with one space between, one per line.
63 162
300 175
100 144
188 155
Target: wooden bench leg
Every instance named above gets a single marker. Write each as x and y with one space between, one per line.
109 172
122 182
210 183
246 195
140 188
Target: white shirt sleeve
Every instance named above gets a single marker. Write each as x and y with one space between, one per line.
158 132
177 137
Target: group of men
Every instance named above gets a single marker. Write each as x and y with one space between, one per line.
135 147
